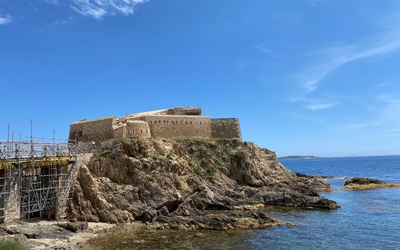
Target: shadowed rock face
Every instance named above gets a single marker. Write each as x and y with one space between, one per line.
189 184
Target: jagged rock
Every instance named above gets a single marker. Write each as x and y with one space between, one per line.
363 181
178 181
367 183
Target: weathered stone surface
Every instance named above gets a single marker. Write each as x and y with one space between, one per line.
35 231
367 183
15 237
179 182
74 226
222 221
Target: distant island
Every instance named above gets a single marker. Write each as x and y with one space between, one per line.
298 157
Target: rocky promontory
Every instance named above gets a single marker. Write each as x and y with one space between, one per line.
188 184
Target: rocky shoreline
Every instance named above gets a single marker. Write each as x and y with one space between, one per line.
182 181
176 184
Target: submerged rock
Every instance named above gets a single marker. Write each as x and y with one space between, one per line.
181 182
367 183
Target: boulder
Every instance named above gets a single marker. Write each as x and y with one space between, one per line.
366 183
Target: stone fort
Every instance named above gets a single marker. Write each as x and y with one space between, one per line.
179 122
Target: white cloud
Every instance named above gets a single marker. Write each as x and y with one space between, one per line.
5 20
317 2
384 118
319 106
52 1
99 8
391 112
263 49
314 104
325 61
335 57
332 58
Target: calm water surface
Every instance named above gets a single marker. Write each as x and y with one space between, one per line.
367 220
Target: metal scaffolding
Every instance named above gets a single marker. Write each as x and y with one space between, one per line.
35 178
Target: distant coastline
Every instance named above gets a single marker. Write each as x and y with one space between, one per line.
298 157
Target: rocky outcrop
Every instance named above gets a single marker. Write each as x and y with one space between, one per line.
43 234
189 184
367 183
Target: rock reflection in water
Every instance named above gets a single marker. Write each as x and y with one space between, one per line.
137 236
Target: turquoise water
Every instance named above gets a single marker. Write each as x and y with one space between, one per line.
368 219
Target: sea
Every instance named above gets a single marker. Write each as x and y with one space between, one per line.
367 219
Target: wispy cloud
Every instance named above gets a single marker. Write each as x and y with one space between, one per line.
52 1
314 103
5 19
319 106
333 58
324 61
390 113
100 8
69 20
384 118
263 49
317 2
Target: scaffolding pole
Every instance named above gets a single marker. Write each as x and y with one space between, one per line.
35 178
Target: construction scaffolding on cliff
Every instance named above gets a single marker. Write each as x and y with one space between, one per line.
35 179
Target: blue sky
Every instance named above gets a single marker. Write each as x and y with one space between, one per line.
305 77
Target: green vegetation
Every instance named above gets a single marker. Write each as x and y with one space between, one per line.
159 157
104 152
197 170
149 178
119 140
214 154
208 167
12 245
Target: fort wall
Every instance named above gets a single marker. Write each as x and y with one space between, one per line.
119 131
170 123
96 130
226 128
137 128
179 126
184 111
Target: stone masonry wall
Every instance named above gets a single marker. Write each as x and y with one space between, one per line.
138 129
226 128
184 111
92 130
119 131
179 126
174 123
